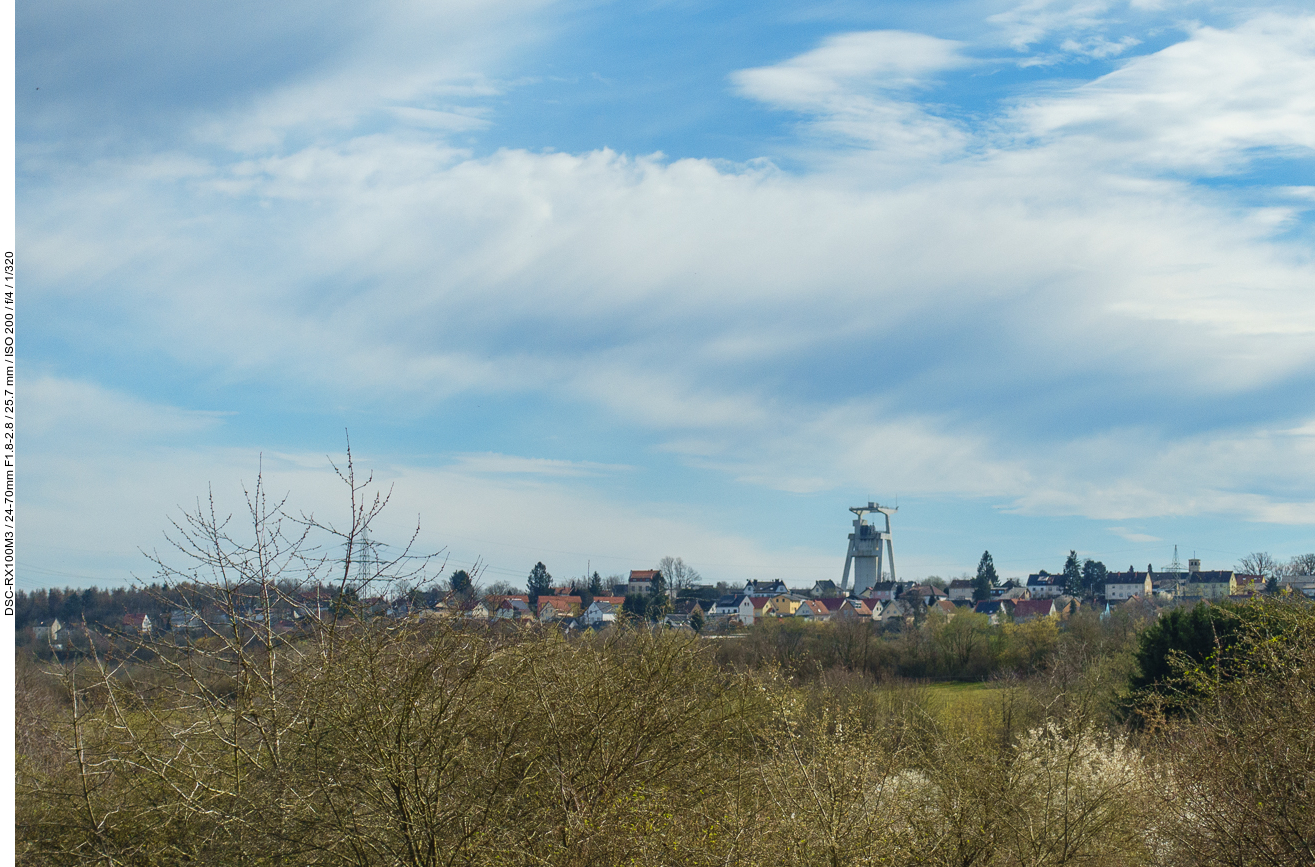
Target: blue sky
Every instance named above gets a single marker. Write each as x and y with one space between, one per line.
595 283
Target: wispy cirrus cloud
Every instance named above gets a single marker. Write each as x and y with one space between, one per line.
1041 304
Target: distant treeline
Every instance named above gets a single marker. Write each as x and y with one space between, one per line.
99 607
106 608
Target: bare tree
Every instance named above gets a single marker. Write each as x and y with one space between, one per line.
1302 564
679 575
1259 563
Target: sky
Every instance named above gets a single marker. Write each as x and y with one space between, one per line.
594 283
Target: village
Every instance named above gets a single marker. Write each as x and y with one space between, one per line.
646 596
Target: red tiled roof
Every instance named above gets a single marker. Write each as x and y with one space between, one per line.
561 603
1033 607
643 574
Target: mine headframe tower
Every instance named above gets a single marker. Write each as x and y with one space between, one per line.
869 546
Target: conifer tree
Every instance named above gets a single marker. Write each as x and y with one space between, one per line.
1072 575
986 578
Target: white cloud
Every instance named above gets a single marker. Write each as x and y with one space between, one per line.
1206 103
498 464
1133 536
104 494
858 83
55 409
909 330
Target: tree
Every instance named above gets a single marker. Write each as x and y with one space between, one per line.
1093 576
461 582
696 620
501 588
678 575
1072 575
596 585
635 606
1259 563
986 578
539 584
202 738
1302 564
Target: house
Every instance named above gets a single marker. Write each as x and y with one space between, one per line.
184 619
554 607
813 611
1249 585
854 609
824 590
765 588
1170 584
48 630
1043 585
513 608
1011 589
601 612
1211 584
1304 584
641 580
886 591
926 592
946 607
1030 609
1125 585
999 610
833 604
898 612
477 609
677 621
961 588
688 607
1067 606
138 623
754 608
728 605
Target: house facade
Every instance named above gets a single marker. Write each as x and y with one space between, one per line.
1125 585
961 588
1043 585
601 612
48 630
554 607
1210 584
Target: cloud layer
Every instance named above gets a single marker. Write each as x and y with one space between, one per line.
1075 300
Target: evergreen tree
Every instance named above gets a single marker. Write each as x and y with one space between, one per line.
696 620
596 585
539 584
986 578
636 605
1072 575
1093 576
461 582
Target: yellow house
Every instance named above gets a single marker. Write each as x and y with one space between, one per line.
1215 584
780 605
